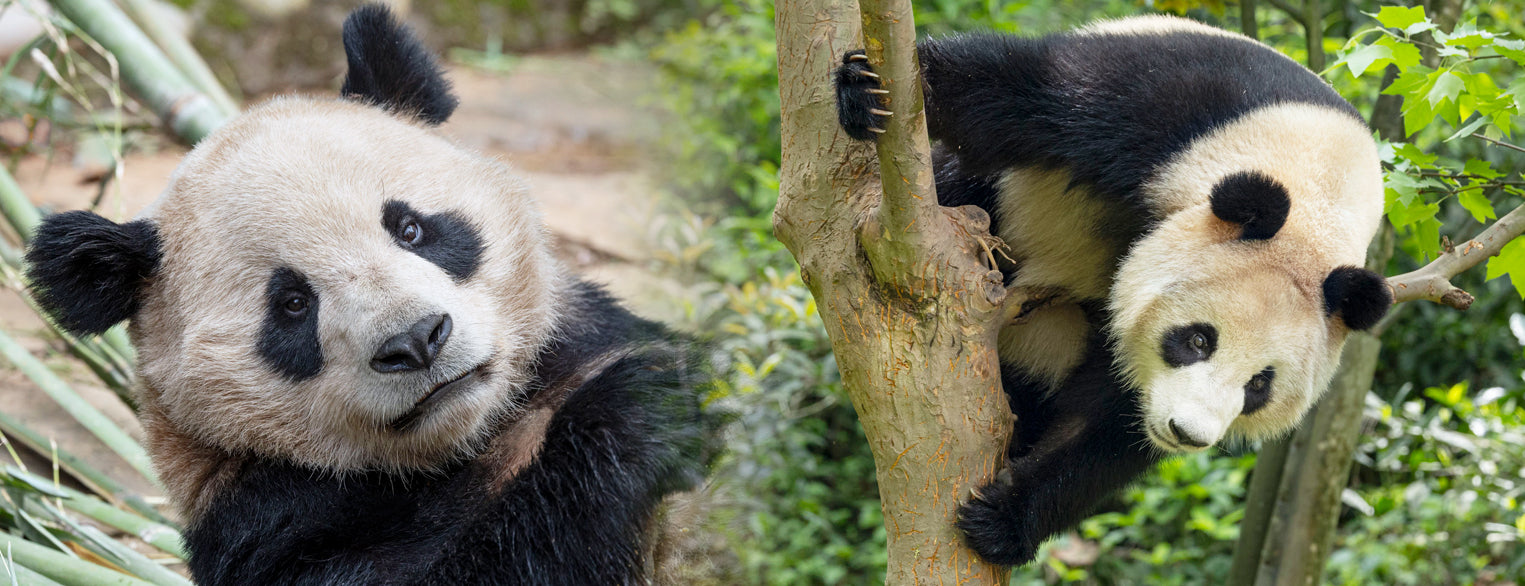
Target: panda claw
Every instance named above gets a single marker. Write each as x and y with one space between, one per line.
857 57
867 73
876 130
877 91
878 112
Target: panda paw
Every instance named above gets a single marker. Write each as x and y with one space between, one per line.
992 523
860 107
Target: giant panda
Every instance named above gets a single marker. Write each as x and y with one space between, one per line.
360 362
1190 209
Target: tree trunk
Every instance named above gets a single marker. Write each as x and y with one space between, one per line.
903 286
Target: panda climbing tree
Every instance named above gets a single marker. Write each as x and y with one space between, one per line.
1191 223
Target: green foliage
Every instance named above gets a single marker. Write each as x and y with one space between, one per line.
1441 477
1459 84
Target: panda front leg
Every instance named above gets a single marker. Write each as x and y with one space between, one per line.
578 512
1088 446
989 99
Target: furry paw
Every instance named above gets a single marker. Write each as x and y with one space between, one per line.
860 108
992 522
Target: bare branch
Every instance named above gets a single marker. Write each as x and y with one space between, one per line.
1498 142
1433 281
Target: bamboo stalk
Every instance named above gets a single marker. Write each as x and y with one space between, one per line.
180 51
161 536
57 566
95 480
22 575
76 406
151 76
18 210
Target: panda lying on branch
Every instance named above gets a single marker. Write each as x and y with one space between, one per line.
360 363
1196 207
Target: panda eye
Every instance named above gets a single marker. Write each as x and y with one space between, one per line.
1188 344
410 232
1198 342
1257 392
295 305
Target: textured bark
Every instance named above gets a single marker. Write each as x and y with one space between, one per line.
902 285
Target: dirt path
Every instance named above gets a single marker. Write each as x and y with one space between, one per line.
570 123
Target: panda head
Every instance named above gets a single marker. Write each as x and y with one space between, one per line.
1229 317
323 281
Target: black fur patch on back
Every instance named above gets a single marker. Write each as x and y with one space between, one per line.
288 340
1254 201
449 241
389 68
86 271
1111 108
1358 296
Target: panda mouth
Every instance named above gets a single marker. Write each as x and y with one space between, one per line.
439 394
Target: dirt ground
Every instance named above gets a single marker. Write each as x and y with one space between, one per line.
569 123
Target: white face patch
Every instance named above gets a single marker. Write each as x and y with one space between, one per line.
313 250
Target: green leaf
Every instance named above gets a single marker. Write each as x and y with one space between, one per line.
1413 153
1401 18
1477 204
1447 86
1417 116
1512 49
1481 168
1412 214
1468 129
1427 236
1510 261
1401 189
1404 54
1363 59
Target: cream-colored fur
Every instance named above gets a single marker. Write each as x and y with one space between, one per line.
1265 298
300 183
1153 24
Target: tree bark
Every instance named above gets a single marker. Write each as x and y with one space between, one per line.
903 285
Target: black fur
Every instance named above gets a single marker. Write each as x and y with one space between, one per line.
389 68
1110 108
288 341
448 239
1074 445
1176 347
87 271
576 515
1254 201
1358 296
854 100
1258 391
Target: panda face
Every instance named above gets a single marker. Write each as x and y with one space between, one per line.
343 288
1229 316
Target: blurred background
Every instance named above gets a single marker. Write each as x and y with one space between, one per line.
649 132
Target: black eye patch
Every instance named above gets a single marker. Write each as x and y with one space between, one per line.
1257 392
288 340
445 239
1184 345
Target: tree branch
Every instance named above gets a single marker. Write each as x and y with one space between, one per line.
1433 281
1295 12
902 285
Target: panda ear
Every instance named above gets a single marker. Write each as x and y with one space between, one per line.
87 271
389 68
1254 201
1360 297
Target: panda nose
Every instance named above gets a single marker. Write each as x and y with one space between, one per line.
1185 438
414 349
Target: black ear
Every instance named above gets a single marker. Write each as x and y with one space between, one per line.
86 271
1254 201
389 68
1358 296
